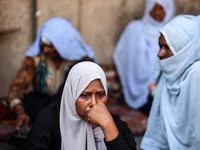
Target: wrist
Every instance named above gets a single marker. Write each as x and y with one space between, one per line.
108 126
110 131
14 102
18 109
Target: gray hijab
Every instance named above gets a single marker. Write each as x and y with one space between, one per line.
75 132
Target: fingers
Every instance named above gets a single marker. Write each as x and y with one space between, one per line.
21 120
18 125
27 120
98 114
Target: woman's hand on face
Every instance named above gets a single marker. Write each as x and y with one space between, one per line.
90 106
99 115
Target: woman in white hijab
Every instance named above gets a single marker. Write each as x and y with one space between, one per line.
135 53
81 121
174 118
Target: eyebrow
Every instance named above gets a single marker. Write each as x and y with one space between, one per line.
91 92
166 45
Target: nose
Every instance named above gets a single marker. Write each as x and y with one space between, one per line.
161 53
93 100
45 50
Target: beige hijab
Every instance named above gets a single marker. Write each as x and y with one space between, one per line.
77 134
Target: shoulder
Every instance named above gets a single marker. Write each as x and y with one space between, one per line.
29 61
51 110
193 71
125 132
45 133
48 118
134 24
195 68
121 125
116 118
47 121
191 78
132 29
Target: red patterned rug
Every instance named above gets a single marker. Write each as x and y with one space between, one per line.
116 105
136 121
7 119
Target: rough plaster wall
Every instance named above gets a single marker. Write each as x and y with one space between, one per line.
48 9
15 38
100 22
187 7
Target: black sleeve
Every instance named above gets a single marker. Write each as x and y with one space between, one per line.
44 133
125 140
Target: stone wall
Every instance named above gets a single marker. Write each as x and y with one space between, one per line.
100 23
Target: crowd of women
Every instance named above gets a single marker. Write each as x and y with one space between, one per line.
158 63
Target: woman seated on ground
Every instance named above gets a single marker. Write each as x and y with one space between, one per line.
57 47
174 118
135 54
81 120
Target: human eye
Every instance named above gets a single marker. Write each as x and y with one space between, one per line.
160 45
167 49
100 94
160 8
85 95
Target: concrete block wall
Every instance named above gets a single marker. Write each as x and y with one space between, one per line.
100 23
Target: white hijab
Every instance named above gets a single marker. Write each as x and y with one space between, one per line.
174 117
77 134
135 54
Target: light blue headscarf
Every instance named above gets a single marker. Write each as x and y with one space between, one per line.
135 54
174 118
64 37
